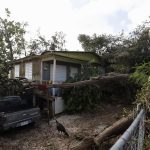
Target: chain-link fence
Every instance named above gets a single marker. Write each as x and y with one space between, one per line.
133 138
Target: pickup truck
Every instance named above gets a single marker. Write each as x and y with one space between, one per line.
15 112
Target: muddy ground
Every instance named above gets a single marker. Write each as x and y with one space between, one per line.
42 136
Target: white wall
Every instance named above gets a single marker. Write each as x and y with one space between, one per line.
59 105
28 70
16 71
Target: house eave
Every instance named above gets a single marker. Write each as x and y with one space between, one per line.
71 56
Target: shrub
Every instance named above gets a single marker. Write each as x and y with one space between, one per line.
83 98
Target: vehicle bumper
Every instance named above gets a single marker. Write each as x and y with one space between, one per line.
6 126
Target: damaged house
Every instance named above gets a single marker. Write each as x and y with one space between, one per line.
54 67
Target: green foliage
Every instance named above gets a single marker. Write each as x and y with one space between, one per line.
142 78
41 44
86 98
87 71
8 86
12 40
4 71
12 43
120 53
58 41
112 48
83 98
143 96
120 68
94 43
141 74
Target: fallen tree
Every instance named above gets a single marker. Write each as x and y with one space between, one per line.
84 144
88 94
113 131
102 80
116 129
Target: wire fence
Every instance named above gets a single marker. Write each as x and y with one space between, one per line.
133 138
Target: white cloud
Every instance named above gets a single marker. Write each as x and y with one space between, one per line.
91 16
139 13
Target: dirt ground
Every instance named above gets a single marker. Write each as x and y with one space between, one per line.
45 137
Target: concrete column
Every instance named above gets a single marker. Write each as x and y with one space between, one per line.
54 77
54 70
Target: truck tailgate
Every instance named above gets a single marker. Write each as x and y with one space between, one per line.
21 118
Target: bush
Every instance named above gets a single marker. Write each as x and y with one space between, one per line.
83 98
141 74
142 78
8 86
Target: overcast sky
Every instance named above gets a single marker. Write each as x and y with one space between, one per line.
75 17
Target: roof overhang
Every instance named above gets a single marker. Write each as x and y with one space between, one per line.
65 56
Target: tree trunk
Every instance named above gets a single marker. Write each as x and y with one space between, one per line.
86 143
102 80
116 129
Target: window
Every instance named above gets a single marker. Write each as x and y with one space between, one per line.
28 70
73 71
60 74
16 70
